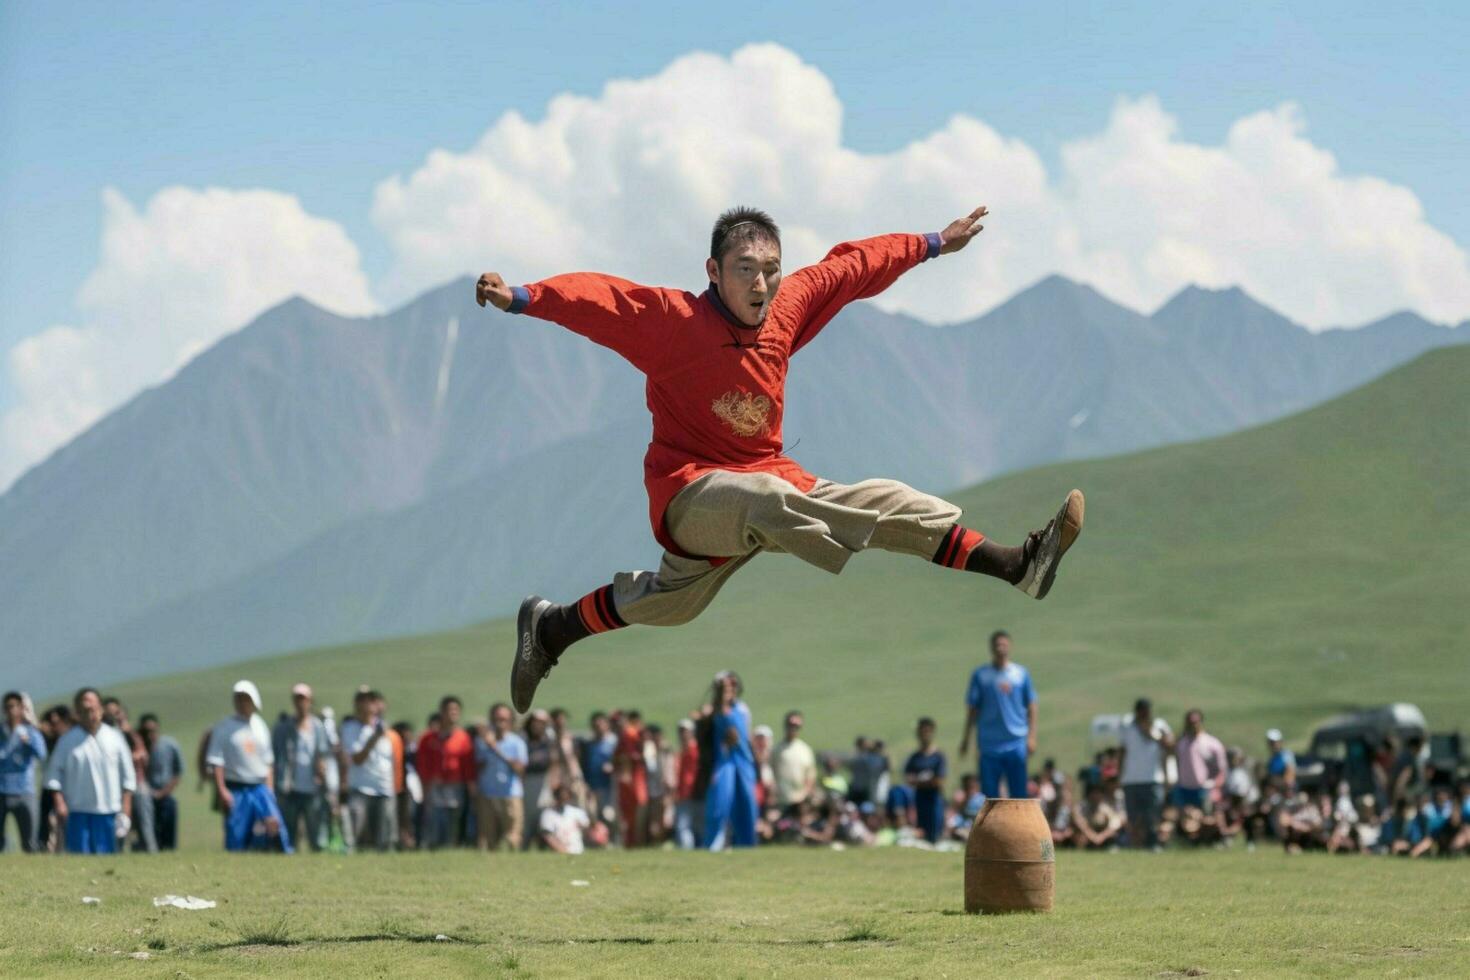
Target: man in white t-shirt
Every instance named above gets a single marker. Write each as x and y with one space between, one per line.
92 776
562 825
368 758
243 760
796 766
1147 742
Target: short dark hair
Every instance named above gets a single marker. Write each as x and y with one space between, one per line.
792 715
1195 711
449 699
997 635
82 692
11 696
111 699
1143 704
498 705
738 225
599 714
59 711
150 716
926 720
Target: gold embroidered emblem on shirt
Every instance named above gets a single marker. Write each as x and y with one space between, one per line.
744 413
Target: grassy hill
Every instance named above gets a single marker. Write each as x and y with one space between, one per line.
1271 577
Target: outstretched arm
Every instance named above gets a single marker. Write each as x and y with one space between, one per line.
858 270
631 319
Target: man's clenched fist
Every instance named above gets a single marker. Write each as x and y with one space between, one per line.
492 289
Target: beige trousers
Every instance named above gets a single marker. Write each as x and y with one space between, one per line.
498 822
736 516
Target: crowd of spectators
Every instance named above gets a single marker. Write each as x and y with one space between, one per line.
311 782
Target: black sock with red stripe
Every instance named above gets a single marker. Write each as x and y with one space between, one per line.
561 626
974 552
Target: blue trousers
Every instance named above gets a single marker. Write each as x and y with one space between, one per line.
1010 763
91 833
244 827
731 799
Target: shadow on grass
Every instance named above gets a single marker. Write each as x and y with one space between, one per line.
277 934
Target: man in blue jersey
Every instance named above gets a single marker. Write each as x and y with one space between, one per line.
1003 702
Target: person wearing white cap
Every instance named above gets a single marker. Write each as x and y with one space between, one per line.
302 749
1282 764
242 757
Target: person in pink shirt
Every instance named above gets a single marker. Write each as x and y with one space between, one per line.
1202 765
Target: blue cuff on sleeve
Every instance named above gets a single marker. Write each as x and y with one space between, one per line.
934 245
520 297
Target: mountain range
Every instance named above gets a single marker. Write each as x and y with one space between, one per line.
315 479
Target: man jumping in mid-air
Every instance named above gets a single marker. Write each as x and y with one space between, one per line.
720 490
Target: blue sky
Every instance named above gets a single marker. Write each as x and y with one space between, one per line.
326 100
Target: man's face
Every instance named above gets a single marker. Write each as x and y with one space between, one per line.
793 726
1000 649
115 715
149 731
500 718
747 277
450 714
600 725
13 712
303 705
244 706
380 708
89 711
1194 723
926 734
1142 716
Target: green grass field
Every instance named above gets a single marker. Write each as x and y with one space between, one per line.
1272 577
775 912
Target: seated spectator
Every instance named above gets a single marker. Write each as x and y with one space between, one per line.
833 782
1299 824
1368 830
563 823
1343 823
1404 830
1097 821
967 803
1063 829
1438 812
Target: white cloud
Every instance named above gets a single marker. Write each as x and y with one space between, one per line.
629 180
172 279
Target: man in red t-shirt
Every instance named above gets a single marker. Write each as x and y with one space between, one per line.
632 779
446 765
720 488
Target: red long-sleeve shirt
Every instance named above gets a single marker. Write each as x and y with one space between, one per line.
716 388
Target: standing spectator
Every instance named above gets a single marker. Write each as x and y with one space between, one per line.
1146 742
659 762
242 759
731 797
568 764
925 772
1003 702
446 760
400 761
501 757
1281 763
540 760
1239 782
115 713
367 755
22 746
1203 766
303 751
860 772
165 771
1407 780
410 789
562 824
632 779
56 722
92 779
597 763
688 814
795 766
